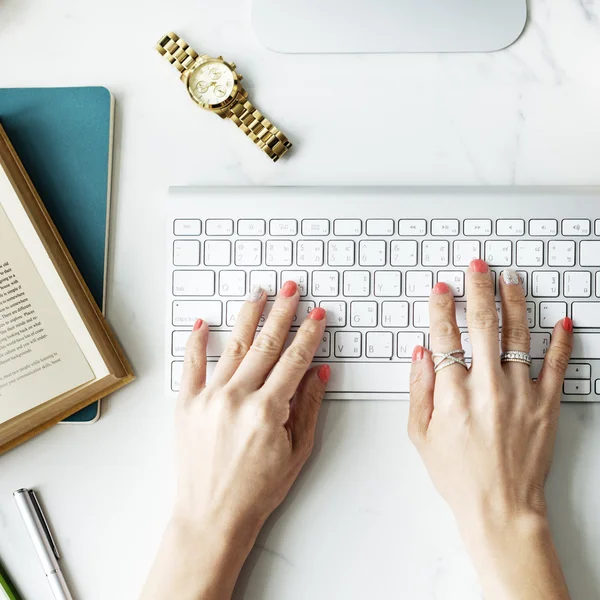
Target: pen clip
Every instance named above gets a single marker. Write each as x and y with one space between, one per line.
44 523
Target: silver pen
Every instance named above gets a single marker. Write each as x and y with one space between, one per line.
42 539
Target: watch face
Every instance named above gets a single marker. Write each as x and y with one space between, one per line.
211 83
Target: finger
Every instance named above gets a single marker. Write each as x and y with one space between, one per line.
266 348
422 382
193 377
305 408
445 335
241 338
292 366
551 378
515 328
482 318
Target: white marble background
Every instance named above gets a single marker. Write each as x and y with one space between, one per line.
364 521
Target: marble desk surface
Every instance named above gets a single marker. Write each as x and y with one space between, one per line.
364 520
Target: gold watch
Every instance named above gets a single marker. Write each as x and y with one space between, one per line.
214 85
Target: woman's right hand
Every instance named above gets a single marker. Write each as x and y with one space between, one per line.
487 435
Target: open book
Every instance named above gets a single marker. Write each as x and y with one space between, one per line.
57 353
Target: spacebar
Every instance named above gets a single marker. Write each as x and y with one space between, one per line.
348 377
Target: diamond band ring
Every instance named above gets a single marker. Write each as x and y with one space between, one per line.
441 360
516 356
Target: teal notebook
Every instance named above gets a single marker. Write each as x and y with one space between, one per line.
63 136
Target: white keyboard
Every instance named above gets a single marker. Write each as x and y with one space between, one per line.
371 257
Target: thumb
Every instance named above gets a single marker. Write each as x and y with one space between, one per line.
422 382
305 408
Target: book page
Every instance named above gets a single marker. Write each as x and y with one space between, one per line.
39 356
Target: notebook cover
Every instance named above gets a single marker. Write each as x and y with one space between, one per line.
63 136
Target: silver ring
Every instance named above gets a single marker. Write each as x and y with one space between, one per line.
516 356
441 360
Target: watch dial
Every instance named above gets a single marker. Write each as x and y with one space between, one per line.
211 83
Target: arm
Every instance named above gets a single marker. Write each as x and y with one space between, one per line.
242 439
487 436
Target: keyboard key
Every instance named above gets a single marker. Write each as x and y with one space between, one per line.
347 227
598 227
315 227
178 341
248 253
531 314
539 344
217 253
404 253
187 227
348 344
336 313
303 310
300 277
576 371
371 253
421 315
219 227
369 378
324 349
586 314
577 284
186 312
530 253
586 346
543 227
498 253
286 227
406 342
363 314
412 227
522 277
310 253
561 253
268 306
325 283
387 283
461 314
233 307
380 227
193 283
598 284
436 253
577 387
510 227
576 227
551 313
340 253
418 283
186 253
357 283
252 227
394 314
545 283
217 341
589 255
465 340
176 372
477 227
465 251
232 283
278 253
379 344
455 281
445 227
267 280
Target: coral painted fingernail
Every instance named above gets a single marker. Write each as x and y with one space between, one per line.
324 373
288 289
256 293
197 324
441 288
568 324
510 277
479 266
418 353
318 314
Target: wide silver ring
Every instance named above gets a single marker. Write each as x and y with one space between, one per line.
441 360
516 356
